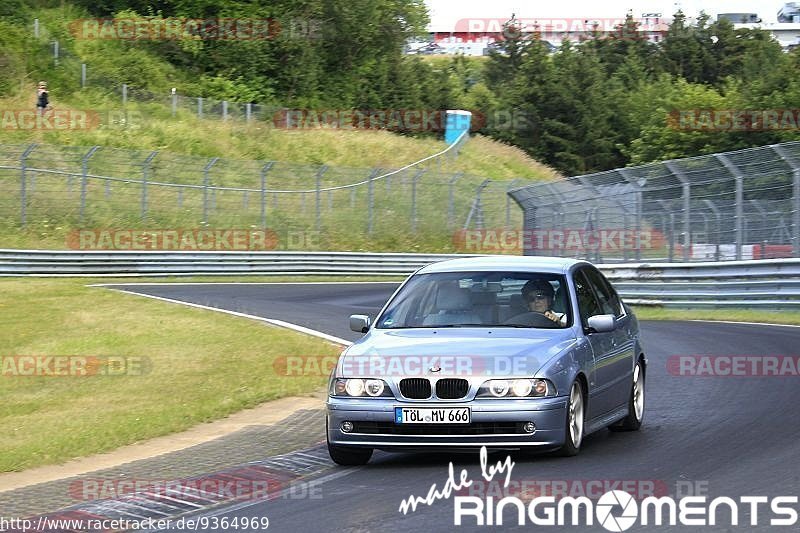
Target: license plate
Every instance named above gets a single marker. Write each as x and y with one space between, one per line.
431 415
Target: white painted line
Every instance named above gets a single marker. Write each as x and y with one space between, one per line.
748 323
272 321
242 283
340 472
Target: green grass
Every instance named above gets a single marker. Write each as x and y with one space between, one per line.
202 366
186 144
734 315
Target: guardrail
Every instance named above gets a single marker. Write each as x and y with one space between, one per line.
770 283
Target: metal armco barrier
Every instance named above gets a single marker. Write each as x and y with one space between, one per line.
768 284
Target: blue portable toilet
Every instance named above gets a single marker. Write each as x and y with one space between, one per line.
458 121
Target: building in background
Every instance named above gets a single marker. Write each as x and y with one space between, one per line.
476 36
786 31
740 18
790 12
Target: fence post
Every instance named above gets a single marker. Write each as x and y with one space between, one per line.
318 180
371 198
124 94
224 110
145 170
84 177
794 164
83 74
206 171
248 111
199 107
264 170
36 28
687 207
414 180
451 200
23 185
508 201
739 222
477 208
717 226
640 184
55 52
174 102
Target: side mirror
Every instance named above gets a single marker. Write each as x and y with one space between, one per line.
601 323
360 323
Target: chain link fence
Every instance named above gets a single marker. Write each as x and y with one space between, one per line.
101 187
729 206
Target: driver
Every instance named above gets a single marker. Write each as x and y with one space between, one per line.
538 295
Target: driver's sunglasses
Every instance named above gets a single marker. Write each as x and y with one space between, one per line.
538 295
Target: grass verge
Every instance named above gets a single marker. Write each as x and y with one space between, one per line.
200 366
733 315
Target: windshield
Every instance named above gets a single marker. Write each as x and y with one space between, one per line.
464 299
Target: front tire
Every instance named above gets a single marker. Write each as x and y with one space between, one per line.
576 415
347 455
633 421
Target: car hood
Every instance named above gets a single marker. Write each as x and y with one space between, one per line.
432 352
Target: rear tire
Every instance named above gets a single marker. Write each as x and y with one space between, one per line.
576 415
633 421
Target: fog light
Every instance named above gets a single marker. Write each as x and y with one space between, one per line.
529 427
347 427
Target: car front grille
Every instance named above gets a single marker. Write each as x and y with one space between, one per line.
415 388
452 388
476 428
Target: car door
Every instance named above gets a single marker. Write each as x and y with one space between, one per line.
600 397
615 367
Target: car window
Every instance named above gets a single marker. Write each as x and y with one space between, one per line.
587 302
498 299
608 299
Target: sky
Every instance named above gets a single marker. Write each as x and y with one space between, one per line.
447 12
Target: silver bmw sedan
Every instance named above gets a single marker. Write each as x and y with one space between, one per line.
503 352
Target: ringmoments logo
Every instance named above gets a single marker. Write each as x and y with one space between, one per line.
615 510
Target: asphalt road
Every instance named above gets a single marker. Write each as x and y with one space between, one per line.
713 436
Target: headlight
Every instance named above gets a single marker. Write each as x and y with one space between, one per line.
374 387
498 387
354 387
360 388
516 388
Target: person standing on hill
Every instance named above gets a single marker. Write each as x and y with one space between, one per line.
42 98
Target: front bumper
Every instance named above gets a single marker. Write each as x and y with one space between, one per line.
548 414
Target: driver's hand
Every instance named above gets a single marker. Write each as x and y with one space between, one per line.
553 316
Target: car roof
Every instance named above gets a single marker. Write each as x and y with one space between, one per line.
511 263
